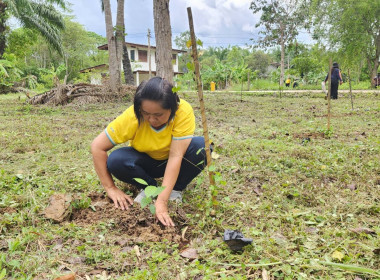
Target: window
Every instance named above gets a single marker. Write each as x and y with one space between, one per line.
174 59
132 58
143 56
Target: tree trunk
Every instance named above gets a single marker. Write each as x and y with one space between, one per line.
3 29
163 33
114 63
120 29
128 74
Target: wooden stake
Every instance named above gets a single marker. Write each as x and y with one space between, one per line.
329 97
249 80
241 91
198 80
349 82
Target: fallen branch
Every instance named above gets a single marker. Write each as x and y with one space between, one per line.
63 94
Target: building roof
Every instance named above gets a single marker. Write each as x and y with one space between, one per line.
105 47
89 69
153 72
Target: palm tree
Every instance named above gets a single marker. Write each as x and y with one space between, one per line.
41 16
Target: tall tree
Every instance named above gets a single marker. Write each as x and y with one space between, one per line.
281 20
128 74
113 57
42 16
120 47
163 33
350 26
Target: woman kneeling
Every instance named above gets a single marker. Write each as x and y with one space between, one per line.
159 127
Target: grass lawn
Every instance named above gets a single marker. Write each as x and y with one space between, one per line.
308 197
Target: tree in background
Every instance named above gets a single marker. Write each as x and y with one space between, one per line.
128 74
114 57
33 57
181 41
41 16
258 61
163 34
352 26
121 47
281 20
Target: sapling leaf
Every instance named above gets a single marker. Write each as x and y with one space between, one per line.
188 43
158 191
145 201
152 209
211 168
199 43
140 181
150 191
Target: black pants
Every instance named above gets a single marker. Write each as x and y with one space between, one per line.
126 164
334 89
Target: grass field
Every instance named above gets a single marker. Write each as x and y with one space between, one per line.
308 197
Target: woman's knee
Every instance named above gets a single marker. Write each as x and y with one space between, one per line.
196 152
119 159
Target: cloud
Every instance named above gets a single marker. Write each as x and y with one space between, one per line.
216 22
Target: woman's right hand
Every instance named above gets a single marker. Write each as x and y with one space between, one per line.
119 198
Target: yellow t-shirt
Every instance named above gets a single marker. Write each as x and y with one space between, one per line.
146 139
287 81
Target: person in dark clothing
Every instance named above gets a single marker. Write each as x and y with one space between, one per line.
377 80
336 79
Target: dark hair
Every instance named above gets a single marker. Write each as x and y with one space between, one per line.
335 65
159 90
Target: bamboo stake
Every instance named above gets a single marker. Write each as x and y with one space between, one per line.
249 80
329 98
200 95
349 82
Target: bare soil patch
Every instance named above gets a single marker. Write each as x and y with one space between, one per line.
138 224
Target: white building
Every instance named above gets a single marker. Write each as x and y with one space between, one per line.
138 55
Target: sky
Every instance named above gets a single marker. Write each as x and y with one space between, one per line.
216 22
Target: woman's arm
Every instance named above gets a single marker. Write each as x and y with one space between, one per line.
99 148
340 77
177 150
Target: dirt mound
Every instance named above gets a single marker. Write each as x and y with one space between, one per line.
81 93
138 224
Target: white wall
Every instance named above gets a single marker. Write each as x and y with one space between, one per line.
144 66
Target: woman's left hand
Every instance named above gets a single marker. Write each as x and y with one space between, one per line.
162 213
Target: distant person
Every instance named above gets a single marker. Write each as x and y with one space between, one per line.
295 84
287 82
336 79
159 127
377 80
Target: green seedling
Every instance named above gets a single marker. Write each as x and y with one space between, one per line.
151 192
